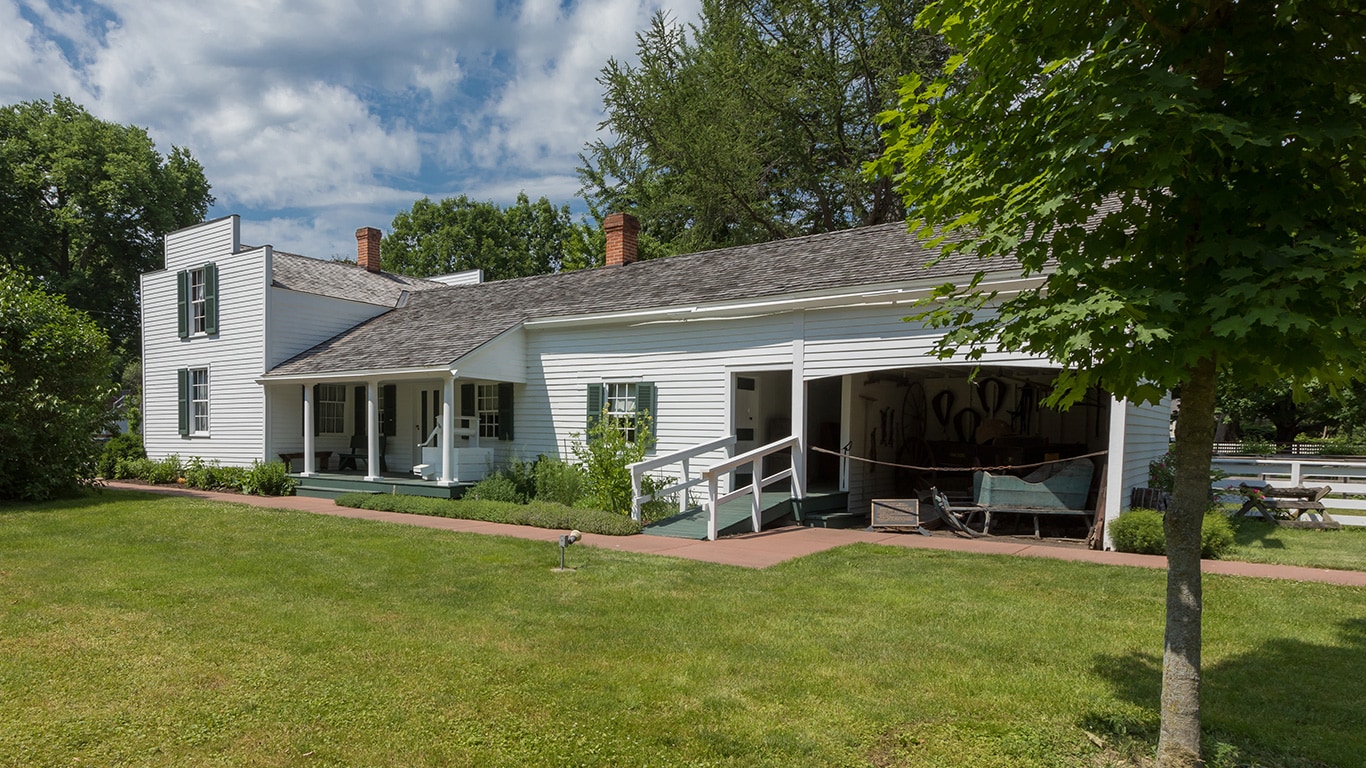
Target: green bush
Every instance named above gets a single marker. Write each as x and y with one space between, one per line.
167 470
1140 531
55 390
269 478
132 469
210 476
558 481
605 455
496 487
124 446
538 514
1255 447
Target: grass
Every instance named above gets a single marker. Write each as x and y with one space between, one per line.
156 631
1261 541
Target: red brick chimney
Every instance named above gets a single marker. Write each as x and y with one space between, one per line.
367 248
621 230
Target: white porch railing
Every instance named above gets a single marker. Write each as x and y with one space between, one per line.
640 468
796 471
1346 476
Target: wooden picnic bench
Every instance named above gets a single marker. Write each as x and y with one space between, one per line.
1276 504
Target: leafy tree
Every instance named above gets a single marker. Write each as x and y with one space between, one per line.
1314 408
1187 184
84 205
457 234
606 453
54 391
755 123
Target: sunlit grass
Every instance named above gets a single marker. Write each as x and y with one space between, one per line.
1260 541
161 631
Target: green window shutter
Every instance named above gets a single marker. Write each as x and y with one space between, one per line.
183 388
646 404
504 411
388 404
315 409
182 283
358 408
211 298
595 401
467 400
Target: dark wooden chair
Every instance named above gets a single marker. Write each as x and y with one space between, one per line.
360 451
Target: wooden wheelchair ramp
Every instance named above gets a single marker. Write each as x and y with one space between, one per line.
826 510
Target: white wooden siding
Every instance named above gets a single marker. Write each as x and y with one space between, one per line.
503 359
301 321
210 241
691 363
1146 437
234 356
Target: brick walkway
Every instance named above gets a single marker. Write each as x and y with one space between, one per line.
760 550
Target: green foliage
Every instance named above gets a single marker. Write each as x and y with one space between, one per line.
1140 531
1257 448
605 456
54 390
211 476
127 445
269 478
753 124
456 234
496 487
558 481
538 514
1161 472
84 204
160 471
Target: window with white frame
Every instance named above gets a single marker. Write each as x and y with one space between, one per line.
199 401
198 304
486 408
331 409
621 407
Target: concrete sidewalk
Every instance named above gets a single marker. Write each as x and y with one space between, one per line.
761 550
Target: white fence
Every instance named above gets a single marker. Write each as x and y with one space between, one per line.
1346 476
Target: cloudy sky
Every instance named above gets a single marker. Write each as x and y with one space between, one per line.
315 117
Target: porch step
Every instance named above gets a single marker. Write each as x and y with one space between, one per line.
332 486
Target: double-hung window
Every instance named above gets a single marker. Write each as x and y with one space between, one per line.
486 408
194 401
331 409
628 405
197 301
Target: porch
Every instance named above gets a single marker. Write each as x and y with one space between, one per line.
330 485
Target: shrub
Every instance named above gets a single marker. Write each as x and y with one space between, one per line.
496 487
605 455
55 391
125 446
538 514
132 469
1140 531
210 476
558 481
522 475
167 470
1255 447
269 478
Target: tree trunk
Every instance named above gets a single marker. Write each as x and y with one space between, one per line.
1179 741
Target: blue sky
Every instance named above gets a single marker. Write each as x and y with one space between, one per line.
315 117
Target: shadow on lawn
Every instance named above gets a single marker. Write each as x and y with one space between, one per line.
1254 703
1249 530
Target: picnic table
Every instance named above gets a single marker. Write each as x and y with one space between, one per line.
1276 504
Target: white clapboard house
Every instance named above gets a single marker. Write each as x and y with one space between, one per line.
362 378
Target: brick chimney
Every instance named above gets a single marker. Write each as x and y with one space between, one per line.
621 230
367 248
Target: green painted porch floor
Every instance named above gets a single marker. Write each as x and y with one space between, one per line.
736 516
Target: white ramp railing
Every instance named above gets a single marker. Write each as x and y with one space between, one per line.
682 458
754 459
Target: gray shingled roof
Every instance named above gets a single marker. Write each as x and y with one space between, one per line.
341 280
441 325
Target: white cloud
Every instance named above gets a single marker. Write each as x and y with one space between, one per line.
312 118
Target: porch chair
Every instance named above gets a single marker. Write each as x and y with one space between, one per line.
360 451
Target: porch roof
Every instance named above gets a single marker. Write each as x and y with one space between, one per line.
439 326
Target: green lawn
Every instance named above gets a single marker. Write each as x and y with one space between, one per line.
1260 541
160 631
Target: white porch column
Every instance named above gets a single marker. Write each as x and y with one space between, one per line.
372 430
448 431
309 459
799 403
1114 465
